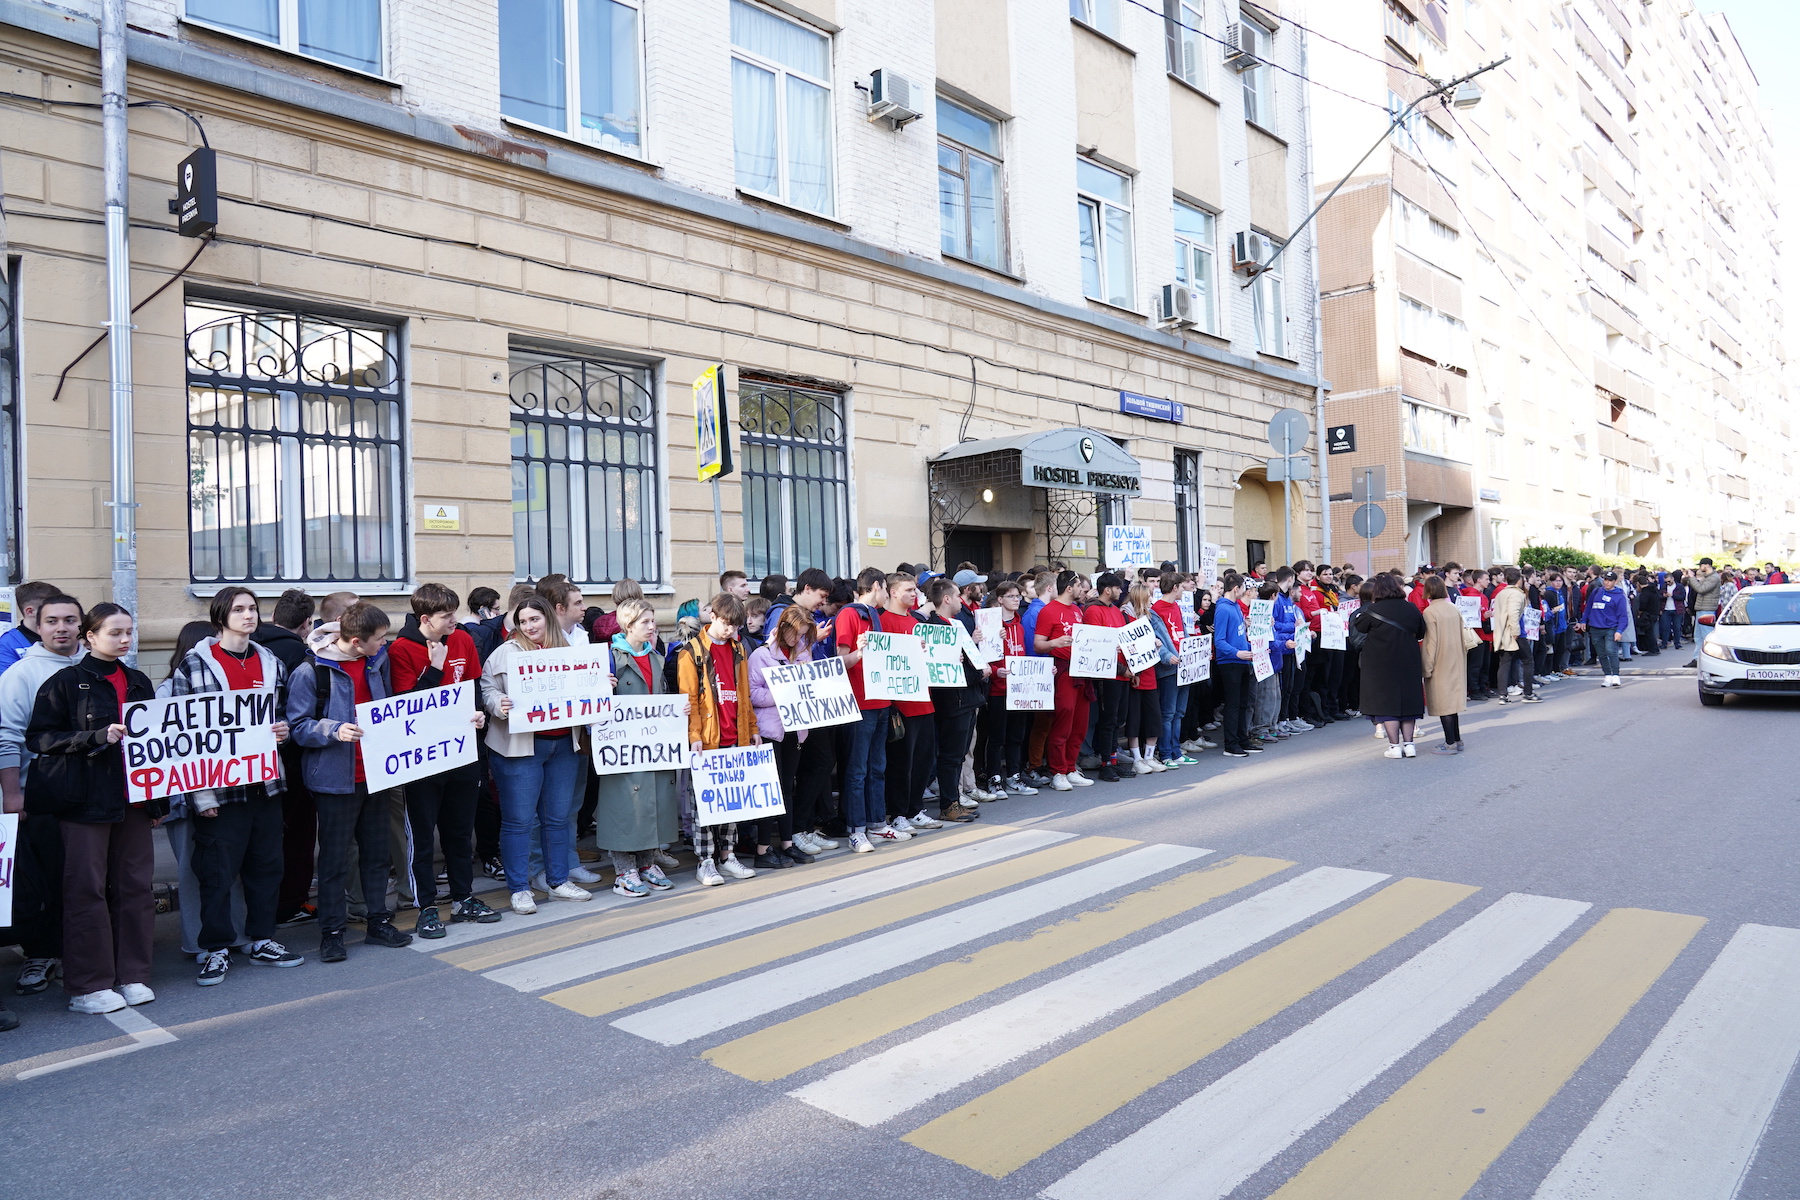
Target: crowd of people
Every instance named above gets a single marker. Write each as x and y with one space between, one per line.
315 845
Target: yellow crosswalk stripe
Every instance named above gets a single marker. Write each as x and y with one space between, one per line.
1001 1131
485 956
657 979
1433 1138
812 1037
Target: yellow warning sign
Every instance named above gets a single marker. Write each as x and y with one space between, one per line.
441 518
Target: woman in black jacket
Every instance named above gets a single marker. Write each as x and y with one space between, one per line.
78 777
1393 672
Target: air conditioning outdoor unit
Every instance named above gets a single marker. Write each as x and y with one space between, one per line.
1244 45
1180 307
1249 251
891 99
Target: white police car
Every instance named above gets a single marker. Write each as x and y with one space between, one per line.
1753 646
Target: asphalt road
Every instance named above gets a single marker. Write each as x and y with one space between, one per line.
1305 1027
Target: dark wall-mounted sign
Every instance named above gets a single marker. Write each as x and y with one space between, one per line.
196 202
1340 439
1153 407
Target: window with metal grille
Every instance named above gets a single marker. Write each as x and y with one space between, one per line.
587 500
796 471
296 451
1190 517
9 420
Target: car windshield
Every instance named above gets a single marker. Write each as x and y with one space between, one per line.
1759 606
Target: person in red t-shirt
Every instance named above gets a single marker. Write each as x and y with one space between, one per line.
865 768
434 652
909 761
1481 657
1110 694
1054 635
713 671
1007 728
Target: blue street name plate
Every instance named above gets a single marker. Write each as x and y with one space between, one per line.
1152 407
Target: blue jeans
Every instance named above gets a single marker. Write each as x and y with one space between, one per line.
536 790
865 772
1603 650
1670 633
1174 703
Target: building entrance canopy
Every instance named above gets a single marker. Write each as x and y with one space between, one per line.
1071 459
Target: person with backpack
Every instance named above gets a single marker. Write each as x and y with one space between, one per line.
713 671
865 762
637 813
1007 728
350 669
953 711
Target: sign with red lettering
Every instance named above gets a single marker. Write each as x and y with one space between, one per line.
9 856
559 688
200 742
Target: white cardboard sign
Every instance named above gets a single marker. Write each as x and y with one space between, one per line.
988 634
417 734
893 667
1262 620
1095 652
9 858
1209 564
199 742
1137 641
642 733
943 653
738 783
1129 546
1030 683
1470 608
1334 631
1196 660
1259 659
812 694
559 688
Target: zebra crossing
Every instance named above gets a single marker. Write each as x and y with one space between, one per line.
998 998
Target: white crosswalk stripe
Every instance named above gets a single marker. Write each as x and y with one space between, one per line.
887 1084
769 991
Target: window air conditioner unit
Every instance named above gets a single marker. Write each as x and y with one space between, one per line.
891 99
1244 45
1249 251
1180 307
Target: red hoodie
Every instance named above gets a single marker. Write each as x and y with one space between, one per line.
409 660
1312 602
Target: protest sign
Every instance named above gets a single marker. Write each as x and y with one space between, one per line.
196 743
812 694
1531 624
1470 608
9 857
893 666
1129 546
1209 564
1334 631
977 656
1189 621
1030 684
1095 652
1349 605
642 733
417 734
988 632
1137 641
558 689
1196 660
943 653
1262 620
1302 644
738 783
1259 659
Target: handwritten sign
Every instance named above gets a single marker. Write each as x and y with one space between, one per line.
1262 620
738 783
1030 683
1196 660
1350 605
1137 641
196 743
9 857
978 658
1302 644
1470 608
989 633
643 733
1209 564
1129 546
1334 631
558 689
943 653
893 666
812 694
1189 620
417 734
1095 652
1531 624
1259 659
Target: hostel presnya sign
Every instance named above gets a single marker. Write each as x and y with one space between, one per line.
1079 460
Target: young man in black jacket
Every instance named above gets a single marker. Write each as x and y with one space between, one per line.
284 634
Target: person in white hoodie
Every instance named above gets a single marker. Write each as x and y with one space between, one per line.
37 895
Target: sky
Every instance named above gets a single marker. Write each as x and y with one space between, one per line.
1769 31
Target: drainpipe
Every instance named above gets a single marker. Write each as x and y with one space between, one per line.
114 135
1318 307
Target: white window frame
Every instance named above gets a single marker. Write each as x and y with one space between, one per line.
1497 465
966 151
572 86
1454 442
1089 202
1259 81
1185 22
1102 15
781 72
1194 261
1269 314
288 40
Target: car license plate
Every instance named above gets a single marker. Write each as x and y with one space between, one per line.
1774 673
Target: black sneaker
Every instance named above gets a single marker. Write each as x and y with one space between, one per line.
382 933
212 971
8 1019
1235 753
300 916
429 926
798 856
1107 775
1253 749
493 868
472 910
774 860
273 954
331 947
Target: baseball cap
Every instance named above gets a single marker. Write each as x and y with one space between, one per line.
965 578
1613 575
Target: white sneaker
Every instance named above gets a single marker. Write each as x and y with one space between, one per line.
737 870
567 890
1381 733
823 842
1079 780
1195 745
887 833
1407 751
924 820
582 875
1155 764
1061 783
931 791
1300 726
1018 787
1392 752
103 1001
524 903
1515 690
860 844
805 842
539 883
137 993
708 874
901 825
664 859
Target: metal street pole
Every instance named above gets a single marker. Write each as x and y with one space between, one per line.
115 142
718 525
1369 498
1287 507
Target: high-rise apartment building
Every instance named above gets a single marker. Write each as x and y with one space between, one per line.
1553 317
471 259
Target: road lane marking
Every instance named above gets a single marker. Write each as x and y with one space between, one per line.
1001 1131
1214 1140
769 991
887 1084
665 977
142 1031
1686 1121
514 939
623 950
780 1050
1433 1138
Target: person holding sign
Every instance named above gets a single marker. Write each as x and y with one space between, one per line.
955 708
78 777
637 812
910 757
1172 695
1006 727
237 831
1110 694
1231 668
713 671
534 772
434 651
865 769
790 642
1053 636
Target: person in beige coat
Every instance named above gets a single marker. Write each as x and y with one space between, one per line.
1446 664
1509 606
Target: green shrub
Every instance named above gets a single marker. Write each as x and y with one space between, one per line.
1546 557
